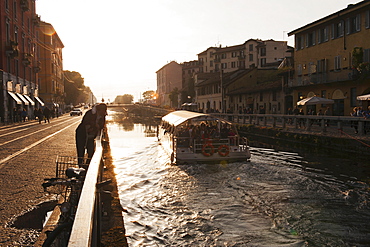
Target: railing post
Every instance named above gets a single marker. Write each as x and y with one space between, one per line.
340 126
308 124
284 123
323 125
360 127
295 122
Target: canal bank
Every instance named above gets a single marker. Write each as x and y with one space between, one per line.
301 138
114 233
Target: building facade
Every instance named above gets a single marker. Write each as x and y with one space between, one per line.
189 69
332 58
51 81
253 53
212 95
31 65
169 81
18 59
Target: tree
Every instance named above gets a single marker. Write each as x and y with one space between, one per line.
124 99
148 95
75 90
174 94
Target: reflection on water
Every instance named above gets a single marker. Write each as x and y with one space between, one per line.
278 199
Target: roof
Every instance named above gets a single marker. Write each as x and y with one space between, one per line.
350 8
256 88
212 78
178 117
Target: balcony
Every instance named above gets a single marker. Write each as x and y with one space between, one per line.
27 59
25 5
36 20
12 50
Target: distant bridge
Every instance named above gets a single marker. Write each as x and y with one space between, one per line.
141 110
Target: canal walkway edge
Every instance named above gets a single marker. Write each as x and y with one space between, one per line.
338 142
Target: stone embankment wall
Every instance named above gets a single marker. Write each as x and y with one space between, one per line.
302 139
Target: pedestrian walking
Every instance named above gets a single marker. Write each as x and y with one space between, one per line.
46 114
92 123
24 115
40 115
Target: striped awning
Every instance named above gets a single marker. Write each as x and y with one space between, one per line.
23 99
29 99
19 102
40 101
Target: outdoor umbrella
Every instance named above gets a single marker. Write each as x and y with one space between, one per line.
364 97
314 101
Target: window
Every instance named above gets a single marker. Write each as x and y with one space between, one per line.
366 58
233 54
263 62
323 93
16 34
310 39
299 42
323 35
299 69
321 66
367 19
263 51
261 96
233 65
223 55
337 30
353 24
311 68
274 96
7 30
15 9
250 57
16 66
250 47
337 63
224 65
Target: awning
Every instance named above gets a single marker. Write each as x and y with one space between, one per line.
364 97
315 101
23 99
29 99
19 102
178 117
40 101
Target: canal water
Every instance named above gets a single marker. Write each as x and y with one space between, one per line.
279 198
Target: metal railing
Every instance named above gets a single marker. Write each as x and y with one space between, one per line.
321 124
86 230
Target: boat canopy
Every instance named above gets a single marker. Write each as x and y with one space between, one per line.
178 117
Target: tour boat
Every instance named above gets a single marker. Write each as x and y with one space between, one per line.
191 137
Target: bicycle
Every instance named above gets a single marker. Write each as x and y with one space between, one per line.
68 185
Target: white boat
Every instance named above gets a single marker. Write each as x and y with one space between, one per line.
191 137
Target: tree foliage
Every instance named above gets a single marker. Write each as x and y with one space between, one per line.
75 89
174 94
124 99
148 95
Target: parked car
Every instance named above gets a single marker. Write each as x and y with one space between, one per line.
76 112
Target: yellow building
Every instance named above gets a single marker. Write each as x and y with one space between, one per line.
332 58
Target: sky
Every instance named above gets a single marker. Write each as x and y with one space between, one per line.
118 45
